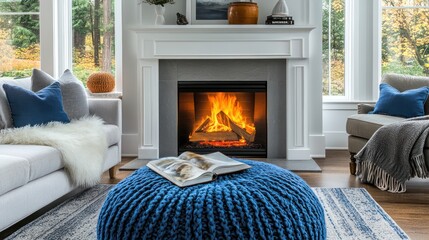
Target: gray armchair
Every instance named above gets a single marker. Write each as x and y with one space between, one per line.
362 126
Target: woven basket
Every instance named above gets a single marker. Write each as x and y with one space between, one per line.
101 82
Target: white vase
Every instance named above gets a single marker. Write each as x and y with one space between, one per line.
280 9
159 11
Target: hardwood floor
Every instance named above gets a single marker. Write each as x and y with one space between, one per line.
410 210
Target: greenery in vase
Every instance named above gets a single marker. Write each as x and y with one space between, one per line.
157 2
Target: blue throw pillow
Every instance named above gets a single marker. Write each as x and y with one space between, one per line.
405 104
33 108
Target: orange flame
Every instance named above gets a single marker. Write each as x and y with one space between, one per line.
231 107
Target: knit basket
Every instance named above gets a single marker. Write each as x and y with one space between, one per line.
263 202
101 82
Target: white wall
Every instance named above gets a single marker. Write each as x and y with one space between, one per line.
334 123
317 138
134 14
130 18
364 74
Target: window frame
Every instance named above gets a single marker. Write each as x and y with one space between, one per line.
363 52
56 43
378 28
348 69
29 13
377 43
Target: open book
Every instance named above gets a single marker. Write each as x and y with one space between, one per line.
191 168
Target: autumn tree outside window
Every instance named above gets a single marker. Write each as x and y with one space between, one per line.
333 48
19 38
93 37
405 37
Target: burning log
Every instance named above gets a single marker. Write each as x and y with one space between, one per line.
203 126
225 120
213 136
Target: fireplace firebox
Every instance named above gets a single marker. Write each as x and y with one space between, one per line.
226 116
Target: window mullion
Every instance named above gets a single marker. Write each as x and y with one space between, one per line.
329 49
64 35
48 39
377 35
348 49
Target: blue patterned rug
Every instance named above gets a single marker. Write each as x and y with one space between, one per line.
351 213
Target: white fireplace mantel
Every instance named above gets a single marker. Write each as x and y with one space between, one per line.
224 42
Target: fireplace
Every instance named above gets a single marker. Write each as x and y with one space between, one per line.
279 55
226 116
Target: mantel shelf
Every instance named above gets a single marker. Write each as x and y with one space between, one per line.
222 28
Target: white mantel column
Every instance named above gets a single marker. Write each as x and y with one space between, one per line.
297 110
149 109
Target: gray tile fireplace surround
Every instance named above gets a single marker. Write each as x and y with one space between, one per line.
272 71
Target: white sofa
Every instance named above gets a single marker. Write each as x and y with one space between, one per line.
33 176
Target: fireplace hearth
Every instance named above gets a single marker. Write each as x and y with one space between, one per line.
226 116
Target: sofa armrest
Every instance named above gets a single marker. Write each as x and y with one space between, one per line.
365 108
110 110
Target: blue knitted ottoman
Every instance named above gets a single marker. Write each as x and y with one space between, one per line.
263 202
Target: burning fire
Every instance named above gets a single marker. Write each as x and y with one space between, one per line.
226 126
231 107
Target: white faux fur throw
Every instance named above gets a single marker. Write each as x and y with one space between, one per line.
82 143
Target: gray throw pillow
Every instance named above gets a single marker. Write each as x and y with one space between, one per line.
75 100
5 114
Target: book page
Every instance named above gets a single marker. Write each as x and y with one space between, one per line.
180 170
211 162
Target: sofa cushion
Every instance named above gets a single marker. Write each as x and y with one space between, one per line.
14 172
29 108
407 104
364 125
112 132
355 144
5 115
74 94
42 160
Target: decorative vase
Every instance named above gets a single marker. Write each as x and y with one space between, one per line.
280 9
101 82
243 13
159 11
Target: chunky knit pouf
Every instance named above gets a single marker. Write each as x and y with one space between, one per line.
263 202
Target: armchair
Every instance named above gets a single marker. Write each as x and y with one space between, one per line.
362 125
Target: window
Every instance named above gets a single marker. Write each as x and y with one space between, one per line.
333 49
93 37
19 38
405 37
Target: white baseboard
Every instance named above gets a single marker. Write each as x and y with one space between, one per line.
336 139
317 146
337 148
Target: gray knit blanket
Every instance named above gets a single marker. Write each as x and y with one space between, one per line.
394 154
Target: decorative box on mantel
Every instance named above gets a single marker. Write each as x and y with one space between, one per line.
225 42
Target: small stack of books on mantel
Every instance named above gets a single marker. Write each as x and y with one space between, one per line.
279 20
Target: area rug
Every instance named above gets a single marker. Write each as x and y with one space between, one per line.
351 213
